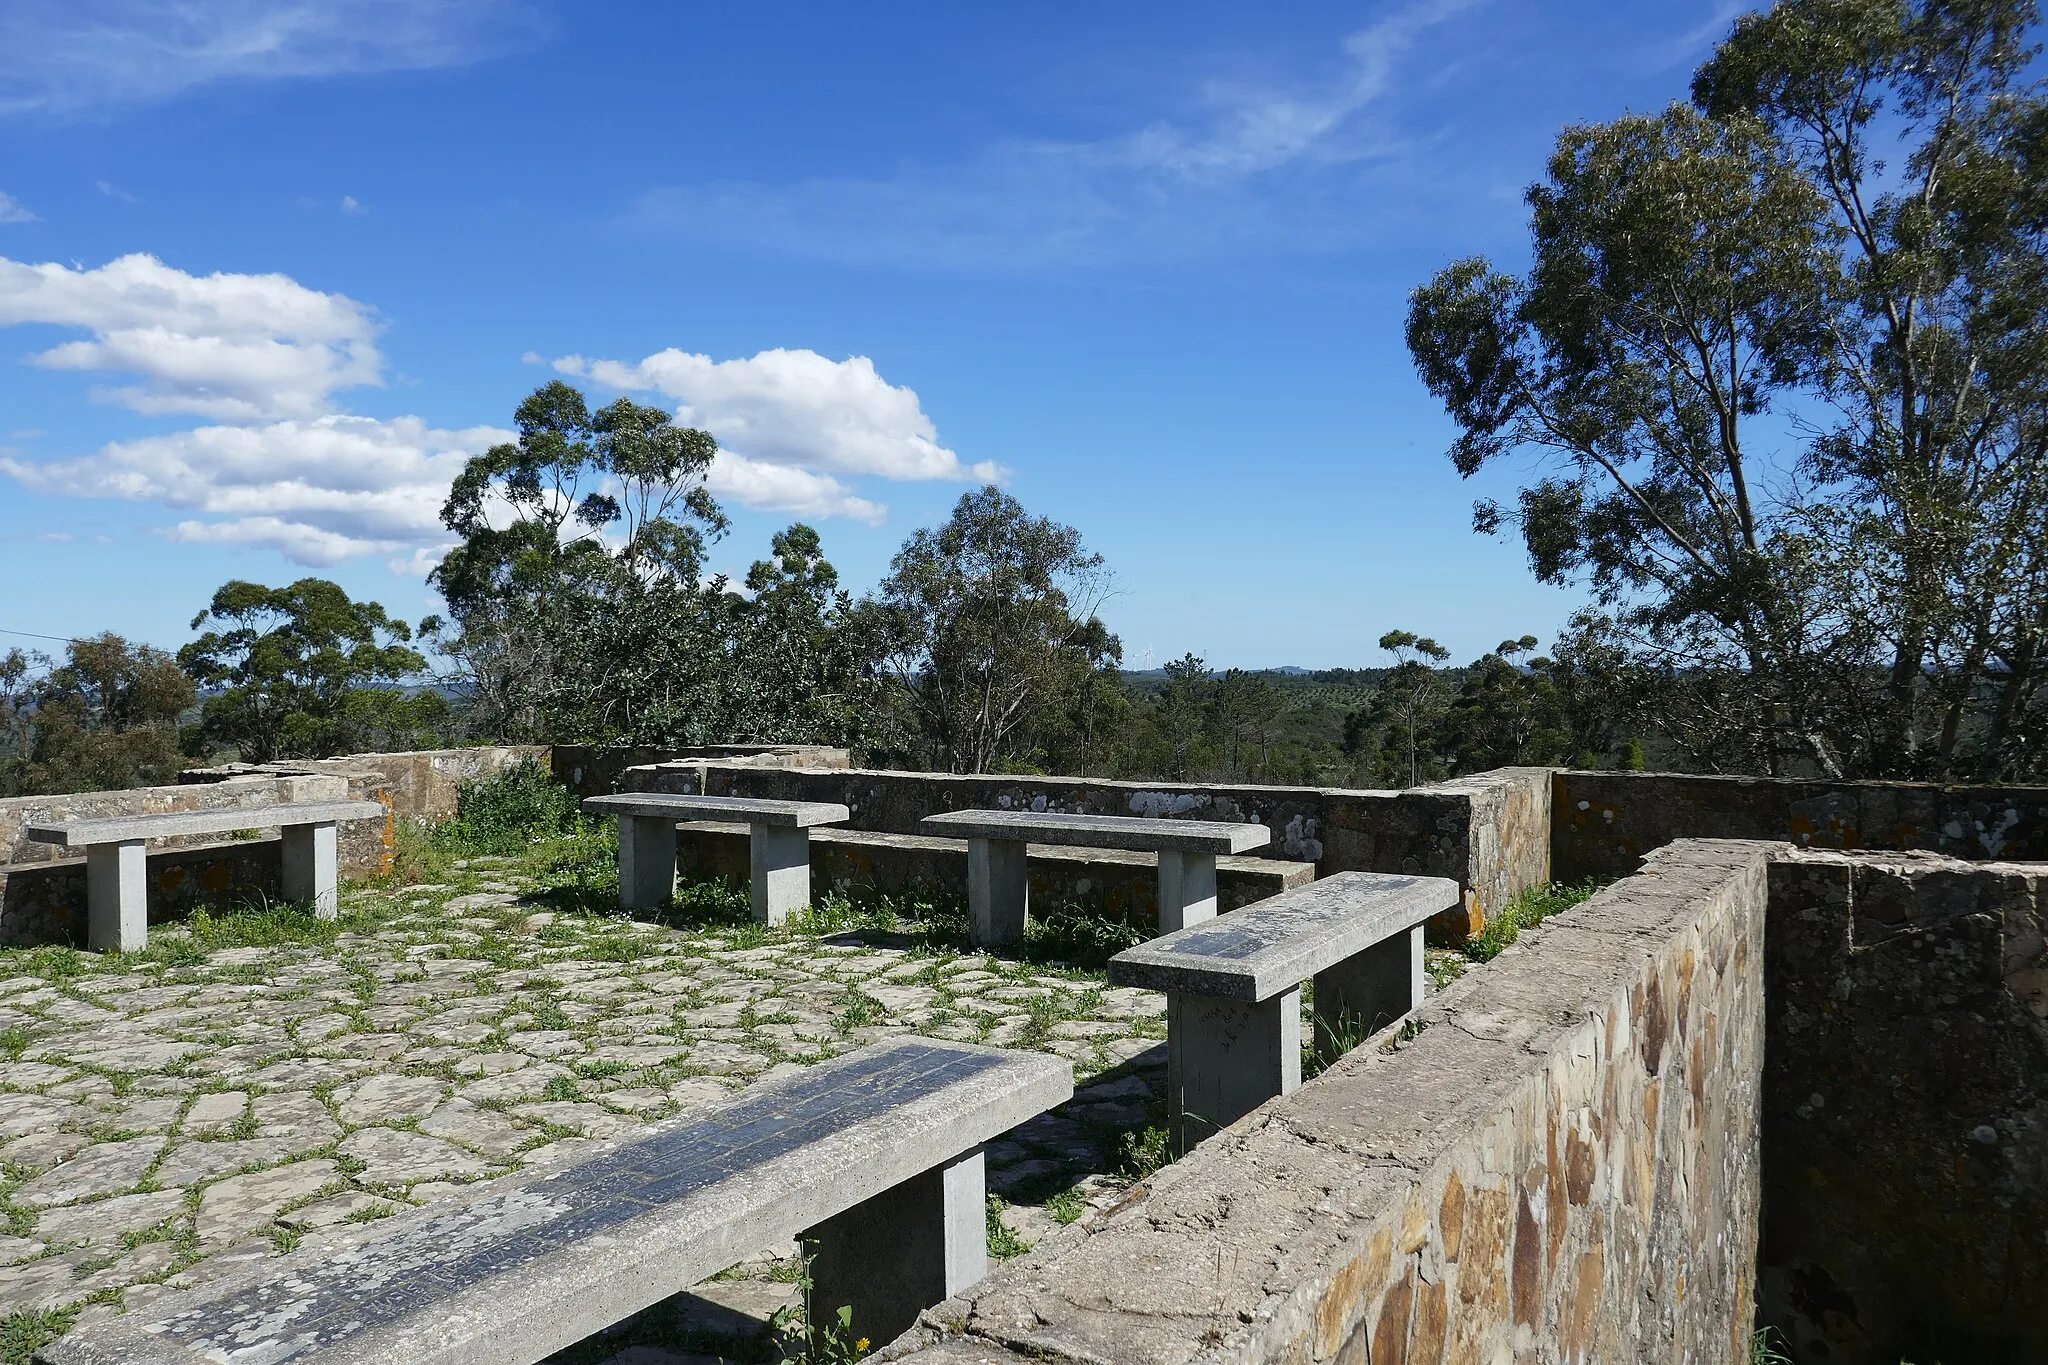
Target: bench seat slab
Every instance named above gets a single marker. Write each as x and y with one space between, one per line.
524 1266
1255 953
753 810
1100 831
117 829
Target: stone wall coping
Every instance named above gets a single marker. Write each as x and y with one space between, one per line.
116 829
1255 953
753 810
1100 831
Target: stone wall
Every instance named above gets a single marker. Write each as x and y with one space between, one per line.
1906 1110
1487 831
593 770
1107 882
1559 1163
1603 823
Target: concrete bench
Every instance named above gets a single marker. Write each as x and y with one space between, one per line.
780 838
1233 987
998 891
876 1155
116 889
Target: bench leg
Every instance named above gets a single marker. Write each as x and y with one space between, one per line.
312 868
116 897
1225 1058
781 862
1366 992
647 862
895 1255
1187 889
998 891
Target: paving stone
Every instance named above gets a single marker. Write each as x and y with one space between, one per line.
391 1156
382 1098
41 1151
136 1056
244 1204
49 1283
487 1130
86 1087
34 1075
304 1073
342 1208
191 1162
591 1120
217 1110
109 1220
103 1168
298 1117
21 1114
525 1084
491 1063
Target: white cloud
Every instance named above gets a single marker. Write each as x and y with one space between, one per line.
318 491
235 348
11 210
796 411
113 191
1242 164
352 207
69 55
779 488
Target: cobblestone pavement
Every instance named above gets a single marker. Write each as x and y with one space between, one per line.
165 1115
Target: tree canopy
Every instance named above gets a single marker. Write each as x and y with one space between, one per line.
1780 357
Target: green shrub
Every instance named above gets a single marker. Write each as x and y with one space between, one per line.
510 810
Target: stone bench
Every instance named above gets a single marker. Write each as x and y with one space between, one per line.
1119 883
877 1156
998 892
780 839
116 892
1233 987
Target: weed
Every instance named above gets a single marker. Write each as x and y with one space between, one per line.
1332 1040
1141 1153
1763 1348
370 1213
562 1090
508 811
25 1331
14 1040
1003 1242
861 1011
1528 909
818 1342
284 1239
1068 1205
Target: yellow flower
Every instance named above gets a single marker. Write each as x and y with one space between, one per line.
861 1345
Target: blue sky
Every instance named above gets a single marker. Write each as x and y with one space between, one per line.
268 270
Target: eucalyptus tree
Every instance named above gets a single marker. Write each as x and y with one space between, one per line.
986 620
1779 356
574 591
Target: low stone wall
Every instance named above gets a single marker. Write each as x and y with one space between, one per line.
593 769
1603 823
1906 1110
1107 882
1487 832
420 785
1558 1162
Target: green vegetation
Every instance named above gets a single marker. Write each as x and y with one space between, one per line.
1002 1242
1529 908
304 672
106 718
1776 365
